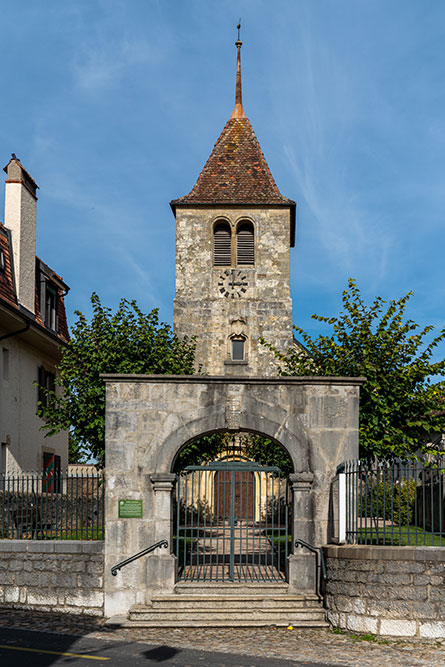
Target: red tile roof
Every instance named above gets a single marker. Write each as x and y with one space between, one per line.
6 279
236 172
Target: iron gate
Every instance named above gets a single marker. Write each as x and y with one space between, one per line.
231 522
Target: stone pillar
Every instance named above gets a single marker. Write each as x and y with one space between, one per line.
161 563
301 562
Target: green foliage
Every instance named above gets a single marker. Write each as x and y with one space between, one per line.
128 341
75 451
398 402
268 452
254 447
389 501
406 536
204 449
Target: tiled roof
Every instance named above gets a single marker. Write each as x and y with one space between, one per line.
236 172
7 290
6 280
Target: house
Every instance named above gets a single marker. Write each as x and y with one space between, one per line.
33 328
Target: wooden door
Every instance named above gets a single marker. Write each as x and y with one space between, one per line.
234 494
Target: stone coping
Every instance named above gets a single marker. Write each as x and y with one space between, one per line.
52 546
229 379
364 552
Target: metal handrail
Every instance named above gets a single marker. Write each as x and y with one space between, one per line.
115 568
317 551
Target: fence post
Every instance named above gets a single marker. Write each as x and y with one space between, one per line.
341 507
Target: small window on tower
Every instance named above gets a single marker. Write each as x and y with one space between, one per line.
222 244
237 349
245 251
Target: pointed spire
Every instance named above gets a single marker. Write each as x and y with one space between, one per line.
236 173
238 111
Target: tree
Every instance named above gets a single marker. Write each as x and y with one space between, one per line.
400 402
128 341
257 448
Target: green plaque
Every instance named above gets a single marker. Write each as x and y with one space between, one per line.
130 509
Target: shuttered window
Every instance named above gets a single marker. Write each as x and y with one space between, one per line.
245 253
222 244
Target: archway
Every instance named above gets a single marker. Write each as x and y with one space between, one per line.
232 518
150 418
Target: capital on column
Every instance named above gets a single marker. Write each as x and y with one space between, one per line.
301 481
163 481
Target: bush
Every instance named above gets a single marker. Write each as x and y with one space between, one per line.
392 501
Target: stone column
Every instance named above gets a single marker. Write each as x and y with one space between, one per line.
302 562
161 563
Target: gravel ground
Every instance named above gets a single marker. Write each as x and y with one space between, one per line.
317 645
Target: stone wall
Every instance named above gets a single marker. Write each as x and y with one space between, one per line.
150 418
264 310
396 591
65 576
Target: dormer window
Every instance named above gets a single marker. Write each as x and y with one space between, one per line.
50 305
2 261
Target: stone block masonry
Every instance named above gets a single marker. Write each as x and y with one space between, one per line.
148 420
394 591
263 310
65 576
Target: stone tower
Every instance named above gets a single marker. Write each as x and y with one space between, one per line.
233 234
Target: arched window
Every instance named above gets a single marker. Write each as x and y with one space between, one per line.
245 252
222 244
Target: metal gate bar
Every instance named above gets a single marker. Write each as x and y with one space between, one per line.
232 522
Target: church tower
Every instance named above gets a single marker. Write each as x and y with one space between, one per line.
233 234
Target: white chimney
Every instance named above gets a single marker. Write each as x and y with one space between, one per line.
20 218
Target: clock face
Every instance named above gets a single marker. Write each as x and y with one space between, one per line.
232 283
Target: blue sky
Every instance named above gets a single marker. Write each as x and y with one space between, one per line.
114 106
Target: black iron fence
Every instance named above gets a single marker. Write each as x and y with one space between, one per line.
395 502
60 506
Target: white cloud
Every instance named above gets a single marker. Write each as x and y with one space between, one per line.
100 66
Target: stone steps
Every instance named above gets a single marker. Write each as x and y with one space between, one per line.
227 611
235 602
232 588
210 623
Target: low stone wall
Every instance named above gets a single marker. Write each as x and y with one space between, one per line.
63 576
397 591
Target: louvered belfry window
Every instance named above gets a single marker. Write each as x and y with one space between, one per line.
222 244
245 250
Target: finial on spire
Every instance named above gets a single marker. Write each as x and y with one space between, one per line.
238 111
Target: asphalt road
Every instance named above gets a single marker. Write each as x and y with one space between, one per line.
38 649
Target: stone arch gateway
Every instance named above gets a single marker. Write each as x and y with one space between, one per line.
149 419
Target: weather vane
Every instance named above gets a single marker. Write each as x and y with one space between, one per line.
238 28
